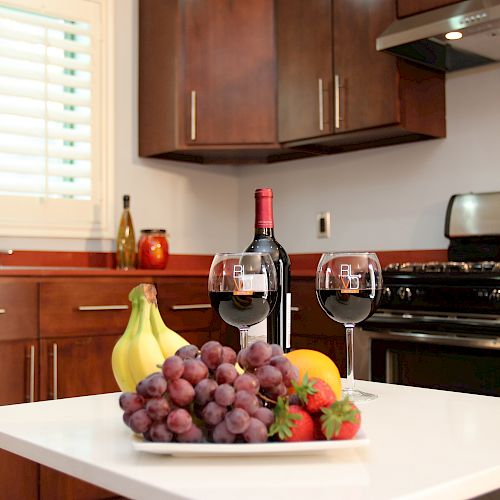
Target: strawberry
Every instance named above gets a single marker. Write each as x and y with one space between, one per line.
315 394
341 420
291 422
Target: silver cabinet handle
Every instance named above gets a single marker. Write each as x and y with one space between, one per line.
188 307
337 101
116 307
2 311
31 360
193 115
294 309
7 252
320 103
54 370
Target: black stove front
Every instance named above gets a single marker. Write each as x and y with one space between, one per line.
438 326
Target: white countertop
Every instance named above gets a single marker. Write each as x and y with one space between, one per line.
423 444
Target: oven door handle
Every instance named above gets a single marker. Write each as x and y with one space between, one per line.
430 338
408 317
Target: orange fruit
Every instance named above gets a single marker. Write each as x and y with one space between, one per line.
317 365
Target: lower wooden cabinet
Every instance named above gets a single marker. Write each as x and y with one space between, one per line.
312 328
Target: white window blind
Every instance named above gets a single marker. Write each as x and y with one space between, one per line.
52 162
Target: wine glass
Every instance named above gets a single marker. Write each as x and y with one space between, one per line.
243 289
349 288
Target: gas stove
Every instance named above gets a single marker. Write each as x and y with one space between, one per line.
485 266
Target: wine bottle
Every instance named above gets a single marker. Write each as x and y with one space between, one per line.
278 322
125 240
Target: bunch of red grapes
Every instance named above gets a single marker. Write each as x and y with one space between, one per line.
199 396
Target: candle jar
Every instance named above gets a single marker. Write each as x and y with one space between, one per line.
153 249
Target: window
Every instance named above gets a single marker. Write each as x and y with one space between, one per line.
55 159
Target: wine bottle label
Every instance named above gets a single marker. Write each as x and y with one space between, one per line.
257 332
288 325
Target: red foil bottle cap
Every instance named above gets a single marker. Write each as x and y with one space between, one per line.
264 208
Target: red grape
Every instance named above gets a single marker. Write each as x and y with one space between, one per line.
256 432
237 421
277 350
211 354
187 351
126 418
268 376
259 353
173 367
140 421
204 391
152 386
246 400
247 382
159 433
228 355
213 413
179 420
157 408
224 395
265 415
192 435
181 392
225 373
131 401
222 435
242 358
194 371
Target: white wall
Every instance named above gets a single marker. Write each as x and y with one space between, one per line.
386 198
389 198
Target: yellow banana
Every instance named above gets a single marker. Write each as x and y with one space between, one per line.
144 356
168 340
119 357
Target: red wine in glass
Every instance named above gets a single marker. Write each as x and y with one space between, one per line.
348 307
349 288
243 310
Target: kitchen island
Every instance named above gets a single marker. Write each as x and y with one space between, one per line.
423 443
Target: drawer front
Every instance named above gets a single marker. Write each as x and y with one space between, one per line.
18 311
93 307
184 304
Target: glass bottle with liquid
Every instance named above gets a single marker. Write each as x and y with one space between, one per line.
125 240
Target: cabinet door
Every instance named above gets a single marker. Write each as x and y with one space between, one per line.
18 370
229 57
365 81
305 102
18 310
410 7
77 366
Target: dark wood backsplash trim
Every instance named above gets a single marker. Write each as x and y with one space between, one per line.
192 265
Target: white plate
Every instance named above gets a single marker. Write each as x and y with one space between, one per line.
249 449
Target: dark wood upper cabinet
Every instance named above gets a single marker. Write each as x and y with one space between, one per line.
410 7
226 81
207 81
305 42
377 99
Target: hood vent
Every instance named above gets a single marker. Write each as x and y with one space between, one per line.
424 38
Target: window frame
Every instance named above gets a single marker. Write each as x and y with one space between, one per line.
60 218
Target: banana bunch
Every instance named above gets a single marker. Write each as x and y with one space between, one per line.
146 341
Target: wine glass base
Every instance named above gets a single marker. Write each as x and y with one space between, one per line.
358 396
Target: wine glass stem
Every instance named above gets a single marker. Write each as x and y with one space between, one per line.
349 332
243 337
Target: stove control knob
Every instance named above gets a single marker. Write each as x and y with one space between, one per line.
495 296
404 294
387 294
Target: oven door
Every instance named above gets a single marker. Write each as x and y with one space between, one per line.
454 359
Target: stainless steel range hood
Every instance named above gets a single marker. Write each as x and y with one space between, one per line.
422 37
